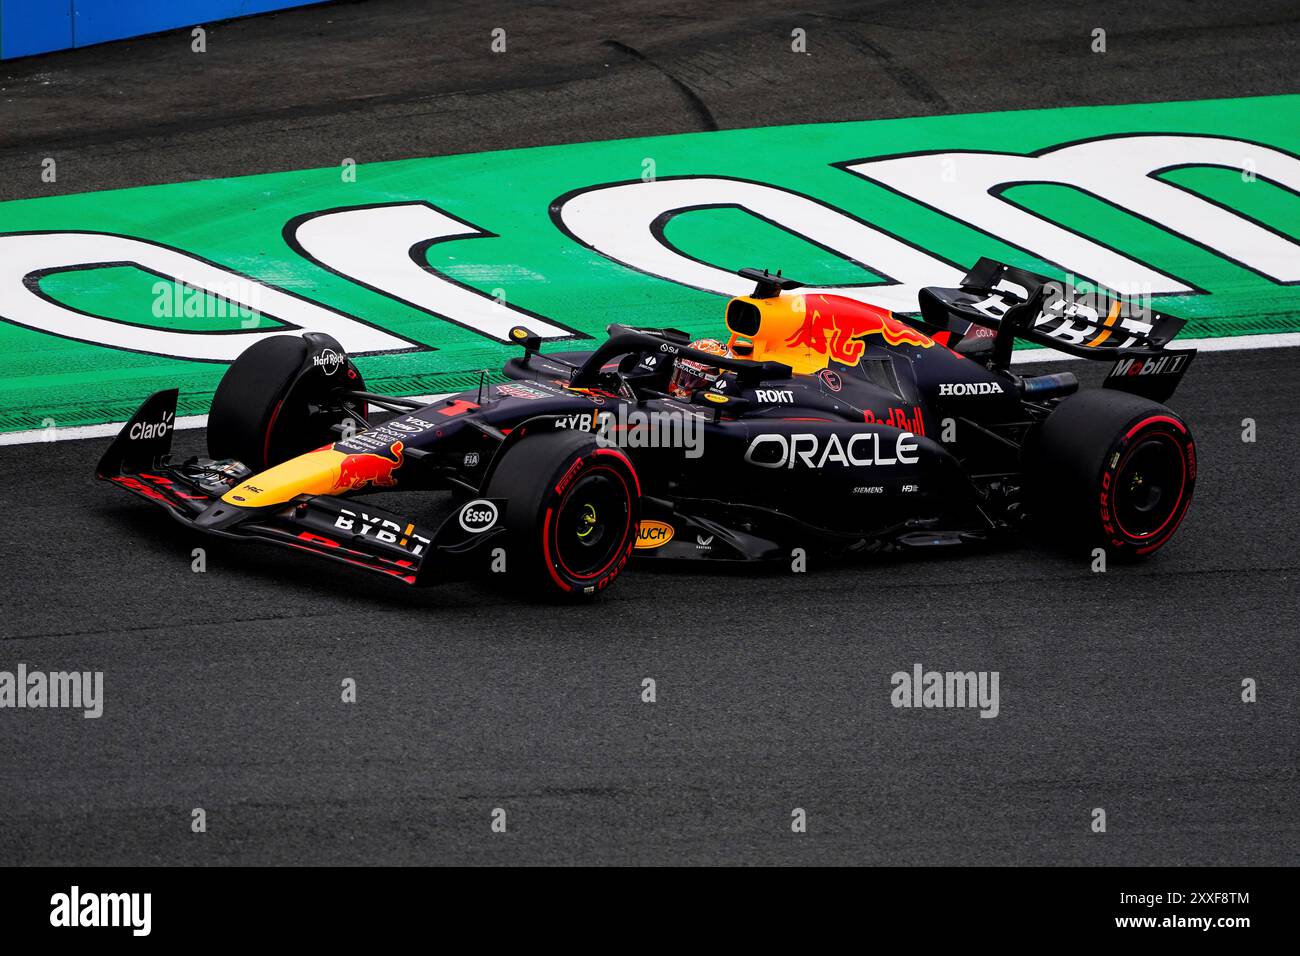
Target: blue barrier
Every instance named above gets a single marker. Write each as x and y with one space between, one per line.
39 26
34 26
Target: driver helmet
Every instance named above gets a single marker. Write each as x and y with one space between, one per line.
690 375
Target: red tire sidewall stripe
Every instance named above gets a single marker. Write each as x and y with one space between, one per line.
1182 441
266 442
627 527
552 554
636 480
546 552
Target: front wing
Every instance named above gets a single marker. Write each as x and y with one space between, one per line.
343 530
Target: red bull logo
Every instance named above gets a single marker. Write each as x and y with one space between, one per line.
357 471
326 471
836 326
897 418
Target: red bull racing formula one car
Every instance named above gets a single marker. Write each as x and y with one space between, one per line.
822 424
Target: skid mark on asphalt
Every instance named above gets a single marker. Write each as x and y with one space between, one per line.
692 98
911 82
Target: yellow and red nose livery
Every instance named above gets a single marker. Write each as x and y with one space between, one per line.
325 471
807 331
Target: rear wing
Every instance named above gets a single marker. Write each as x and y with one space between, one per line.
1016 303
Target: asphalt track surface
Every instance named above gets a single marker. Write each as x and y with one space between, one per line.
1118 690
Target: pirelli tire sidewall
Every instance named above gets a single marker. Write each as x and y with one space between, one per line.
550 479
1085 469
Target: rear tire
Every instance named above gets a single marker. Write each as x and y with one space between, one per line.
571 516
272 406
1113 470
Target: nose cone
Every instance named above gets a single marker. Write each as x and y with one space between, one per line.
314 473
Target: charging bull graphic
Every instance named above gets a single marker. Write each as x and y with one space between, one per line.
325 471
836 326
807 332
357 471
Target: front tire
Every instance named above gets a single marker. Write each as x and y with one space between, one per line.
275 402
1113 470
572 509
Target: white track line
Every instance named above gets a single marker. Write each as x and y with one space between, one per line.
1227 343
